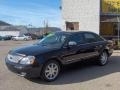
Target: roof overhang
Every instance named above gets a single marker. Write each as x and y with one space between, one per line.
112 20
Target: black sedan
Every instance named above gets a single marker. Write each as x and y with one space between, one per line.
45 58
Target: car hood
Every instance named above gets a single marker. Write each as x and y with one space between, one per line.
32 50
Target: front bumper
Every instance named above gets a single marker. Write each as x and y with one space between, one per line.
28 71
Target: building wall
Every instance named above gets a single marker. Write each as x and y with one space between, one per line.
13 30
13 33
107 29
86 12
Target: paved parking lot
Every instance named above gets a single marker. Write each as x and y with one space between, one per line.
79 76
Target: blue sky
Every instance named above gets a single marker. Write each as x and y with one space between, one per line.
25 12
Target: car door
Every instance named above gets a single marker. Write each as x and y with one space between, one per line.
92 45
72 54
100 43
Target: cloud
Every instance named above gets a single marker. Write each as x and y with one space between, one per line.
33 14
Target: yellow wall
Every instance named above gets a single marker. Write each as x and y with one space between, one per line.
106 29
111 6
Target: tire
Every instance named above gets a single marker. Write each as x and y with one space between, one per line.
50 71
103 58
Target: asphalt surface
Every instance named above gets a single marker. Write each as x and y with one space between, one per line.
80 76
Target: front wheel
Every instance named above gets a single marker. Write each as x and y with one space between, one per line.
103 59
50 71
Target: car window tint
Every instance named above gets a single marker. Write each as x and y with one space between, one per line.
98 38
78 38
89 37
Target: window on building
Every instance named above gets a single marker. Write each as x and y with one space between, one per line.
72 25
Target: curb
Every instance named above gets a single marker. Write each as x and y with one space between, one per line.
116 51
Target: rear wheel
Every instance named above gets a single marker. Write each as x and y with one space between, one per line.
103 59
50 71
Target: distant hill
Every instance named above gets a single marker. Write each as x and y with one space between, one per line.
53 29
2 23
40 31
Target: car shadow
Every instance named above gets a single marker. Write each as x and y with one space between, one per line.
83 71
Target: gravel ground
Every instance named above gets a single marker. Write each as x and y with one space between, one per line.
78 76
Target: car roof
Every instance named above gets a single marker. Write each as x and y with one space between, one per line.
73 32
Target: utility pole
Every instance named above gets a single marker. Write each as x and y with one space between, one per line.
46 26
30 27
118 19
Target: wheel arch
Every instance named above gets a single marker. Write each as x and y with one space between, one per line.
42 70
57 60
107 51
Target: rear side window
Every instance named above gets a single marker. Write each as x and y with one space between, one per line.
99 38
78 38
91 37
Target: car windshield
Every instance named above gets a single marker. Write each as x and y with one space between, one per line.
54 39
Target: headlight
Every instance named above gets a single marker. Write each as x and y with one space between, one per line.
14 58
28 60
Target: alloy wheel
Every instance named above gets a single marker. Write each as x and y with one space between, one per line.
103 58
51 71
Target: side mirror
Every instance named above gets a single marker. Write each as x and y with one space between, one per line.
72 43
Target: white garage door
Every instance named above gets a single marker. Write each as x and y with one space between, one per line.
13 33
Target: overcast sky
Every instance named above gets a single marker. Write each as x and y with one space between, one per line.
25 12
